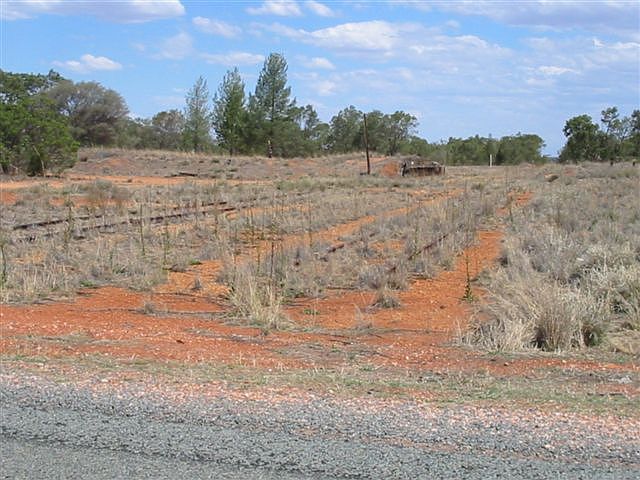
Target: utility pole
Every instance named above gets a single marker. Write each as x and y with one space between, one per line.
366 144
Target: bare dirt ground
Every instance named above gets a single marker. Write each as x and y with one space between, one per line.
174 323
340 346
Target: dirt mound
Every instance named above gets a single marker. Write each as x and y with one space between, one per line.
390 169
151 163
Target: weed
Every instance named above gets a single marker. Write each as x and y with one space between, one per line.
4 272
257 303
468 292
149 308
386 298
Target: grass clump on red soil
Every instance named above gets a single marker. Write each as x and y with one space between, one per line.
570 270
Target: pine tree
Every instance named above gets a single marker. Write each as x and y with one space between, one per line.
272 102
229 111
197 114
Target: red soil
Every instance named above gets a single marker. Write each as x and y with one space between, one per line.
181 321
7 197
389 169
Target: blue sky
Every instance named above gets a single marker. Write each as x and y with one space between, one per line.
462 68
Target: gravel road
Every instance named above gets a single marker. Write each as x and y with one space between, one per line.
52 430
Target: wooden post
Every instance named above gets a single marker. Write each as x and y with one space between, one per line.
366 144
490 146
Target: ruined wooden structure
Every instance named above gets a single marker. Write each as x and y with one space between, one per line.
419 167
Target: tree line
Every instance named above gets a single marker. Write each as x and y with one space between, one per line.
477 150
270 122
617 138
45 118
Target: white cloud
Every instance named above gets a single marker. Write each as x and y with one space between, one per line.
552 70
545 82
374 35
380 41
463 56
319 62
580 54
325 88
612 16
453 24
125 11
233 59
216 27
89 63
139 47
177 47
405 74
282 8
319 9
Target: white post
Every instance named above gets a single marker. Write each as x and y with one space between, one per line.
490 160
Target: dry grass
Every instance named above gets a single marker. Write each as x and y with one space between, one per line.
380 255
386 298
254 302
117 161
282 230
570 273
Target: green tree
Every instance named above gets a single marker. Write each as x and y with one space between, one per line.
582 140
197 127
415 145
611 120
229 111
135 133
513 150
167 128
345 131
469 151
314 132
400 126
632 142
385 133
613 135
377 132
95 113
272 105
34 136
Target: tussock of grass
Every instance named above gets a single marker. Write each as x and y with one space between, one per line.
386 298
570 269
257 303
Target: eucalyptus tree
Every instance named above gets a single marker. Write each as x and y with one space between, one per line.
95 112
34 135
582 139
345 130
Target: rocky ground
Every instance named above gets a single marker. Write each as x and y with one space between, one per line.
146 430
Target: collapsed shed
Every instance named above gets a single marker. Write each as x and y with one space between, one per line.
415 166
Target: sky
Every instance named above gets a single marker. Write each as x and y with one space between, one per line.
460 67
